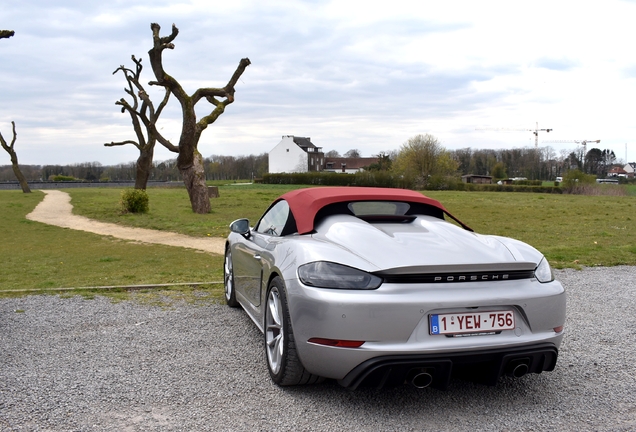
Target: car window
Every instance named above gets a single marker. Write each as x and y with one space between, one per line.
275 220
361 208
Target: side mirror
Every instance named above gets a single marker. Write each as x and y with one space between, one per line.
241 226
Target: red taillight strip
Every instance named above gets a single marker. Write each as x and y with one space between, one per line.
336 343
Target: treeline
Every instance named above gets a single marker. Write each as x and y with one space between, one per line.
216 168
542 163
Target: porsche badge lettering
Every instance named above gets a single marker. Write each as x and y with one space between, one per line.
470 278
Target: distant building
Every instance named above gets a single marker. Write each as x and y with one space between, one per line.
348 165
295 154
477 179
630 169
617 172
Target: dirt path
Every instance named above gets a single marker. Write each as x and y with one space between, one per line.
56 209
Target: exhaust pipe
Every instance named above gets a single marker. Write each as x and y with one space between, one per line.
520 370
422 380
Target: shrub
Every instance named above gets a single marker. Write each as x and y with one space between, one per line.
575 178
134 201
527 182
59 178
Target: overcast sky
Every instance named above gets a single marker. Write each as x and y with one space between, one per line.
349 74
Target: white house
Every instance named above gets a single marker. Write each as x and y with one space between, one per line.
295 154
630 169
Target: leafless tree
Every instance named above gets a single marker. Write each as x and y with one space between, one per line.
4 34
142 112
14 160
190 161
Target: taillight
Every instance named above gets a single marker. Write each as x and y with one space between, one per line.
558 329
336 342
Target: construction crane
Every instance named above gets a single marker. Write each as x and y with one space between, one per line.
535 131
582 142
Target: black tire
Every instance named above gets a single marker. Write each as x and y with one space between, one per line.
228 280
283 363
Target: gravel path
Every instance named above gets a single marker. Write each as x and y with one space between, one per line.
92 365
56 209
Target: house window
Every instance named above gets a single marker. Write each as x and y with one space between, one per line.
287 150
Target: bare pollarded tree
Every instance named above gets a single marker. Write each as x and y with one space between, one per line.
144 118
190 161
4 34
14 160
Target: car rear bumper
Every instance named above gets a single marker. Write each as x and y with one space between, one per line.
484 366
394 321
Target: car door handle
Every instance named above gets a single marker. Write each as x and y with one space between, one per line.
257 257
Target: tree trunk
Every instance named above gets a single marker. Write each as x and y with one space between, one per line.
23 182
14 160
194 180
144 167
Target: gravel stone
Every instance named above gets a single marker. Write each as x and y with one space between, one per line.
71 364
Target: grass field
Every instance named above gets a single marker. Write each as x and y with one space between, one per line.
39 256
571 230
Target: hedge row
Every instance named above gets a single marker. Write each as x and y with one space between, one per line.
527 182
386 179
507 188
376 178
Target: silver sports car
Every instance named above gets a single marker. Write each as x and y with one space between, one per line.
380 287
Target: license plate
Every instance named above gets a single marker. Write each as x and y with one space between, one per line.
478 322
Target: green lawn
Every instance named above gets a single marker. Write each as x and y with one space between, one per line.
40 256
571 230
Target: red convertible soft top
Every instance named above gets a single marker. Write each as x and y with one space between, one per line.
305 203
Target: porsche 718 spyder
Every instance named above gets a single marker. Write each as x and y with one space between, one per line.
382 287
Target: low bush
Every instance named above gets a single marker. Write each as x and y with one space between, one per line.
59 178
527 182
134 201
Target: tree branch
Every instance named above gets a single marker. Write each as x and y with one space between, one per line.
8 148
5 34
151 124
163 79
166 41
227 92
113 144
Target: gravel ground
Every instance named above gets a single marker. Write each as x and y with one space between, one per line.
93 365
